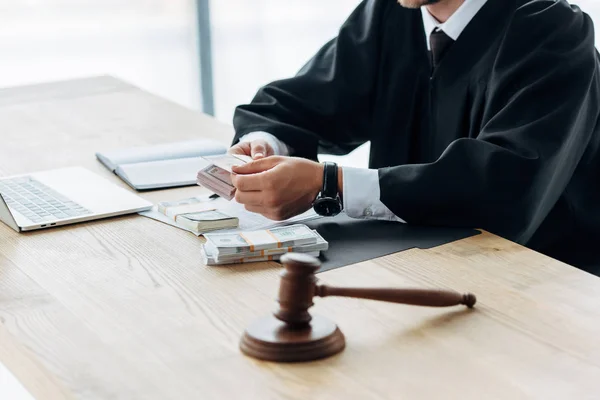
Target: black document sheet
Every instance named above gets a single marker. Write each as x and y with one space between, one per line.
354 240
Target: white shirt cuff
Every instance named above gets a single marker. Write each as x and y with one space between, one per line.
361 195
280 148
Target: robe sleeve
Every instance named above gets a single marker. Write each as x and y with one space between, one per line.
327 105
541 110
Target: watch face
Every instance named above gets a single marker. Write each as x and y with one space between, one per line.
327 207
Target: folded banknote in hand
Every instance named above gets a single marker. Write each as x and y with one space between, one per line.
216 176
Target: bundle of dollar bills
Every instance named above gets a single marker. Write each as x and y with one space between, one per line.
196 215
216 175
262 245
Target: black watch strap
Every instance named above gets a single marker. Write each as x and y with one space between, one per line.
330 184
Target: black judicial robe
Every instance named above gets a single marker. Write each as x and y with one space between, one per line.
503 135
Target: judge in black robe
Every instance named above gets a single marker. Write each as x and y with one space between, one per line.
502 135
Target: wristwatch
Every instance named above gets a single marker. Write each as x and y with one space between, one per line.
328 202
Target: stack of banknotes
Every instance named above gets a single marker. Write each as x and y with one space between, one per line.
216 175
262 245
196 215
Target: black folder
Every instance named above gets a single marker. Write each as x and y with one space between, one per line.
354 240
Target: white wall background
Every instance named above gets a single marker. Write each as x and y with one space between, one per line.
258 41
150 43
153 43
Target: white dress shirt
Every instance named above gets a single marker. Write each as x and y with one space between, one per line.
457 22
361 185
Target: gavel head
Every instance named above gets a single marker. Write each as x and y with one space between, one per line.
297 288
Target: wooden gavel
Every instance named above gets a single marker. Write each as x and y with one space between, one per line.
292 334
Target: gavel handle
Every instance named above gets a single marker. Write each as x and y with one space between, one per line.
415 297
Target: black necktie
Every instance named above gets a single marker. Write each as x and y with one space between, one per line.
439 43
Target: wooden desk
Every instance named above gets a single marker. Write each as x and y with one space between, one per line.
124 309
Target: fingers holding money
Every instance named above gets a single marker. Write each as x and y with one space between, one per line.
242 148
248 183
257 193
257 166
258 175
256 149
254 198
277 187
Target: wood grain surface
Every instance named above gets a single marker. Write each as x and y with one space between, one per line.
124 309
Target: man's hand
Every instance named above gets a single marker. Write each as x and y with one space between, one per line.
256 149
278 187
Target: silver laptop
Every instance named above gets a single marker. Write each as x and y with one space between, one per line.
62 196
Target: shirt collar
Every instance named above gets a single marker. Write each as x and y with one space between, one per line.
457 22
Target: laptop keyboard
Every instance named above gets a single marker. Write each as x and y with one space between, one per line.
37 201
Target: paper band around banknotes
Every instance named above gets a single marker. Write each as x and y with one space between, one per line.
262 245
260 238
